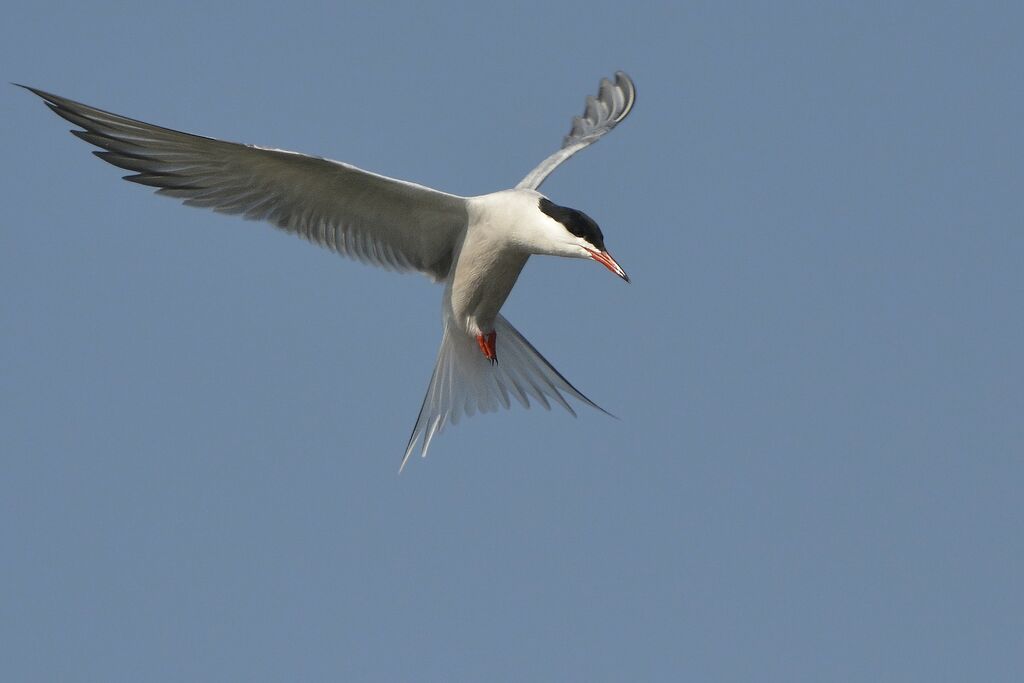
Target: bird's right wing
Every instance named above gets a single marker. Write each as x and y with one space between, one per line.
612 104
379 220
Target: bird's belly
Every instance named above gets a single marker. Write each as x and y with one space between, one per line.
479 291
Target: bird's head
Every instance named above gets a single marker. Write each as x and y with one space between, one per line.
572 233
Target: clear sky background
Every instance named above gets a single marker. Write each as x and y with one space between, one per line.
818 470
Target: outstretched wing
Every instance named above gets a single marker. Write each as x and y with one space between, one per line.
383 221
602 113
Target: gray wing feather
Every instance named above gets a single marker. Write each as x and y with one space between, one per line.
369 217
612 104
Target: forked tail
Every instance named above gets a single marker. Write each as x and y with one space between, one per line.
465 382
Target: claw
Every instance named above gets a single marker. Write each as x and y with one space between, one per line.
488 346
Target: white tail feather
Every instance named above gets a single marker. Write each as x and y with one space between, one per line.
465 382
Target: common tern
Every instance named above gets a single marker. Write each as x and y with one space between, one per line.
475 246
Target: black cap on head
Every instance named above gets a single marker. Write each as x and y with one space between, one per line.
576 222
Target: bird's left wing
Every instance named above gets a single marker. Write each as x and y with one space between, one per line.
378 220
613 103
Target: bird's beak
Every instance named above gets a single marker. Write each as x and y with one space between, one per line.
606 260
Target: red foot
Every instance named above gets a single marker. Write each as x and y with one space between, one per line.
488 346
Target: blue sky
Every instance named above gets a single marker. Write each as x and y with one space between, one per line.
818 466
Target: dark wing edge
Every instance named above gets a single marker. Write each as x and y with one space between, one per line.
602 113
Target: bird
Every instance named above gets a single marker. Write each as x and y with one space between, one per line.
475 246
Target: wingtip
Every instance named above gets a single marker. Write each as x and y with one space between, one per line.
34 91
49 99
626 84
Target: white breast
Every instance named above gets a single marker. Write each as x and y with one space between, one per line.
491 257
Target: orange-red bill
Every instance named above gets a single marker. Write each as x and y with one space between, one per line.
606 260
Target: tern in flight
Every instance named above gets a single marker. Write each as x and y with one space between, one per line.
475 246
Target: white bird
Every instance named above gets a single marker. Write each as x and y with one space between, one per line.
475 246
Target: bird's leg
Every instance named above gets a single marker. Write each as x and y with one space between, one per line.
488 346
